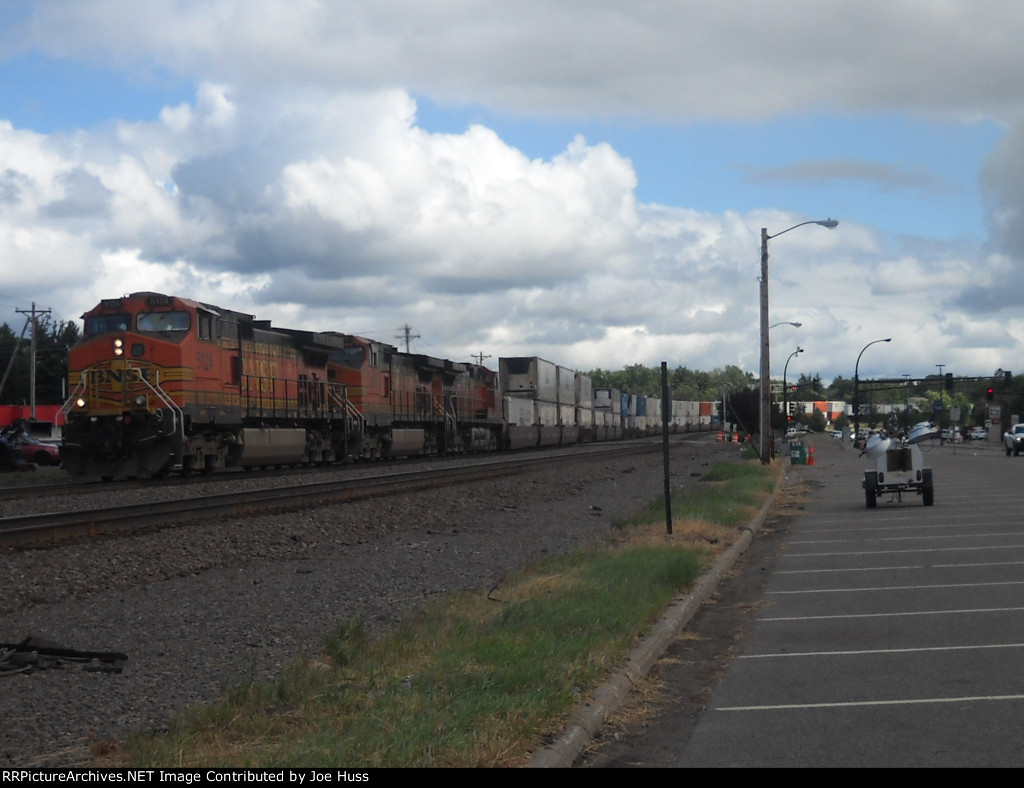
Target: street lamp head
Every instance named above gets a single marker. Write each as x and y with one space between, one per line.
830 224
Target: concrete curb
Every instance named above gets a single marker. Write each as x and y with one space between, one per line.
587 719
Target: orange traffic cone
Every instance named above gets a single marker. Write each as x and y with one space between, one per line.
810 456
721 435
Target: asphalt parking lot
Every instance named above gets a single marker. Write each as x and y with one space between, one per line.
886 637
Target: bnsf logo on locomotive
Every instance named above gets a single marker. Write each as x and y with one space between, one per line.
110 376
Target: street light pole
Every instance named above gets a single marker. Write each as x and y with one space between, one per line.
785 385
856 385
766 388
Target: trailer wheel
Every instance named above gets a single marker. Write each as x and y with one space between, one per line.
870 484
928 490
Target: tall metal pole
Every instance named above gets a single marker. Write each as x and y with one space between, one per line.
856 387
785 384
666 410
766 403
766 384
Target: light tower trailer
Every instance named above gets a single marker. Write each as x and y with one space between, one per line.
898 469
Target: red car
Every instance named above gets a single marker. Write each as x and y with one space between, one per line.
32 450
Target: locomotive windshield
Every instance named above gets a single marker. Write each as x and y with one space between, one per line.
164 321
106 324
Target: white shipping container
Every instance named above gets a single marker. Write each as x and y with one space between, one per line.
566 386
584 391
519 411
529 376
546 414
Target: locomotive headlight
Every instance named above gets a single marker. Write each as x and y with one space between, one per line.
118 347
80 402
140 400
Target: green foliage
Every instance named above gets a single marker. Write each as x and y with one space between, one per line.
53 340
686 384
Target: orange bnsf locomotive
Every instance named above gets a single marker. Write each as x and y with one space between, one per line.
159 382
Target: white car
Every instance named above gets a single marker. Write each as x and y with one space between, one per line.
979 434
1014 440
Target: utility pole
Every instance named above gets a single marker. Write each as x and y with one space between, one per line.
408 335
32 368
480 358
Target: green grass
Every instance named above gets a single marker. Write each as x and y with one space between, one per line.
480 679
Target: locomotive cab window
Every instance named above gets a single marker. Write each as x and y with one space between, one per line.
164 321
351 357
205 325
106 324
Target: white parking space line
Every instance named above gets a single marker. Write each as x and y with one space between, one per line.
906 614
895 588
896 568
960 549
852 704
861 539
868 652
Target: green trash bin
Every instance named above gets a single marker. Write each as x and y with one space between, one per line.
797 453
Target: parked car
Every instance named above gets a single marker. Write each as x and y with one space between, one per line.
979 434
32 450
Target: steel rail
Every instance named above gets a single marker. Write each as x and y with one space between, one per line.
45 528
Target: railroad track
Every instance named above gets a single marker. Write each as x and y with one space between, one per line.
49 528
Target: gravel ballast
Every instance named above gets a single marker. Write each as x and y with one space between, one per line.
201 608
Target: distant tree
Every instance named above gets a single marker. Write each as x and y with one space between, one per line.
686 384
53 340
743 408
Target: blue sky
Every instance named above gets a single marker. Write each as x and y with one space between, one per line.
926 183
718 166
581 181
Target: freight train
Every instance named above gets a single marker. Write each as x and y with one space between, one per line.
161 383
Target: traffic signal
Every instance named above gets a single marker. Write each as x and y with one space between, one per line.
989 393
